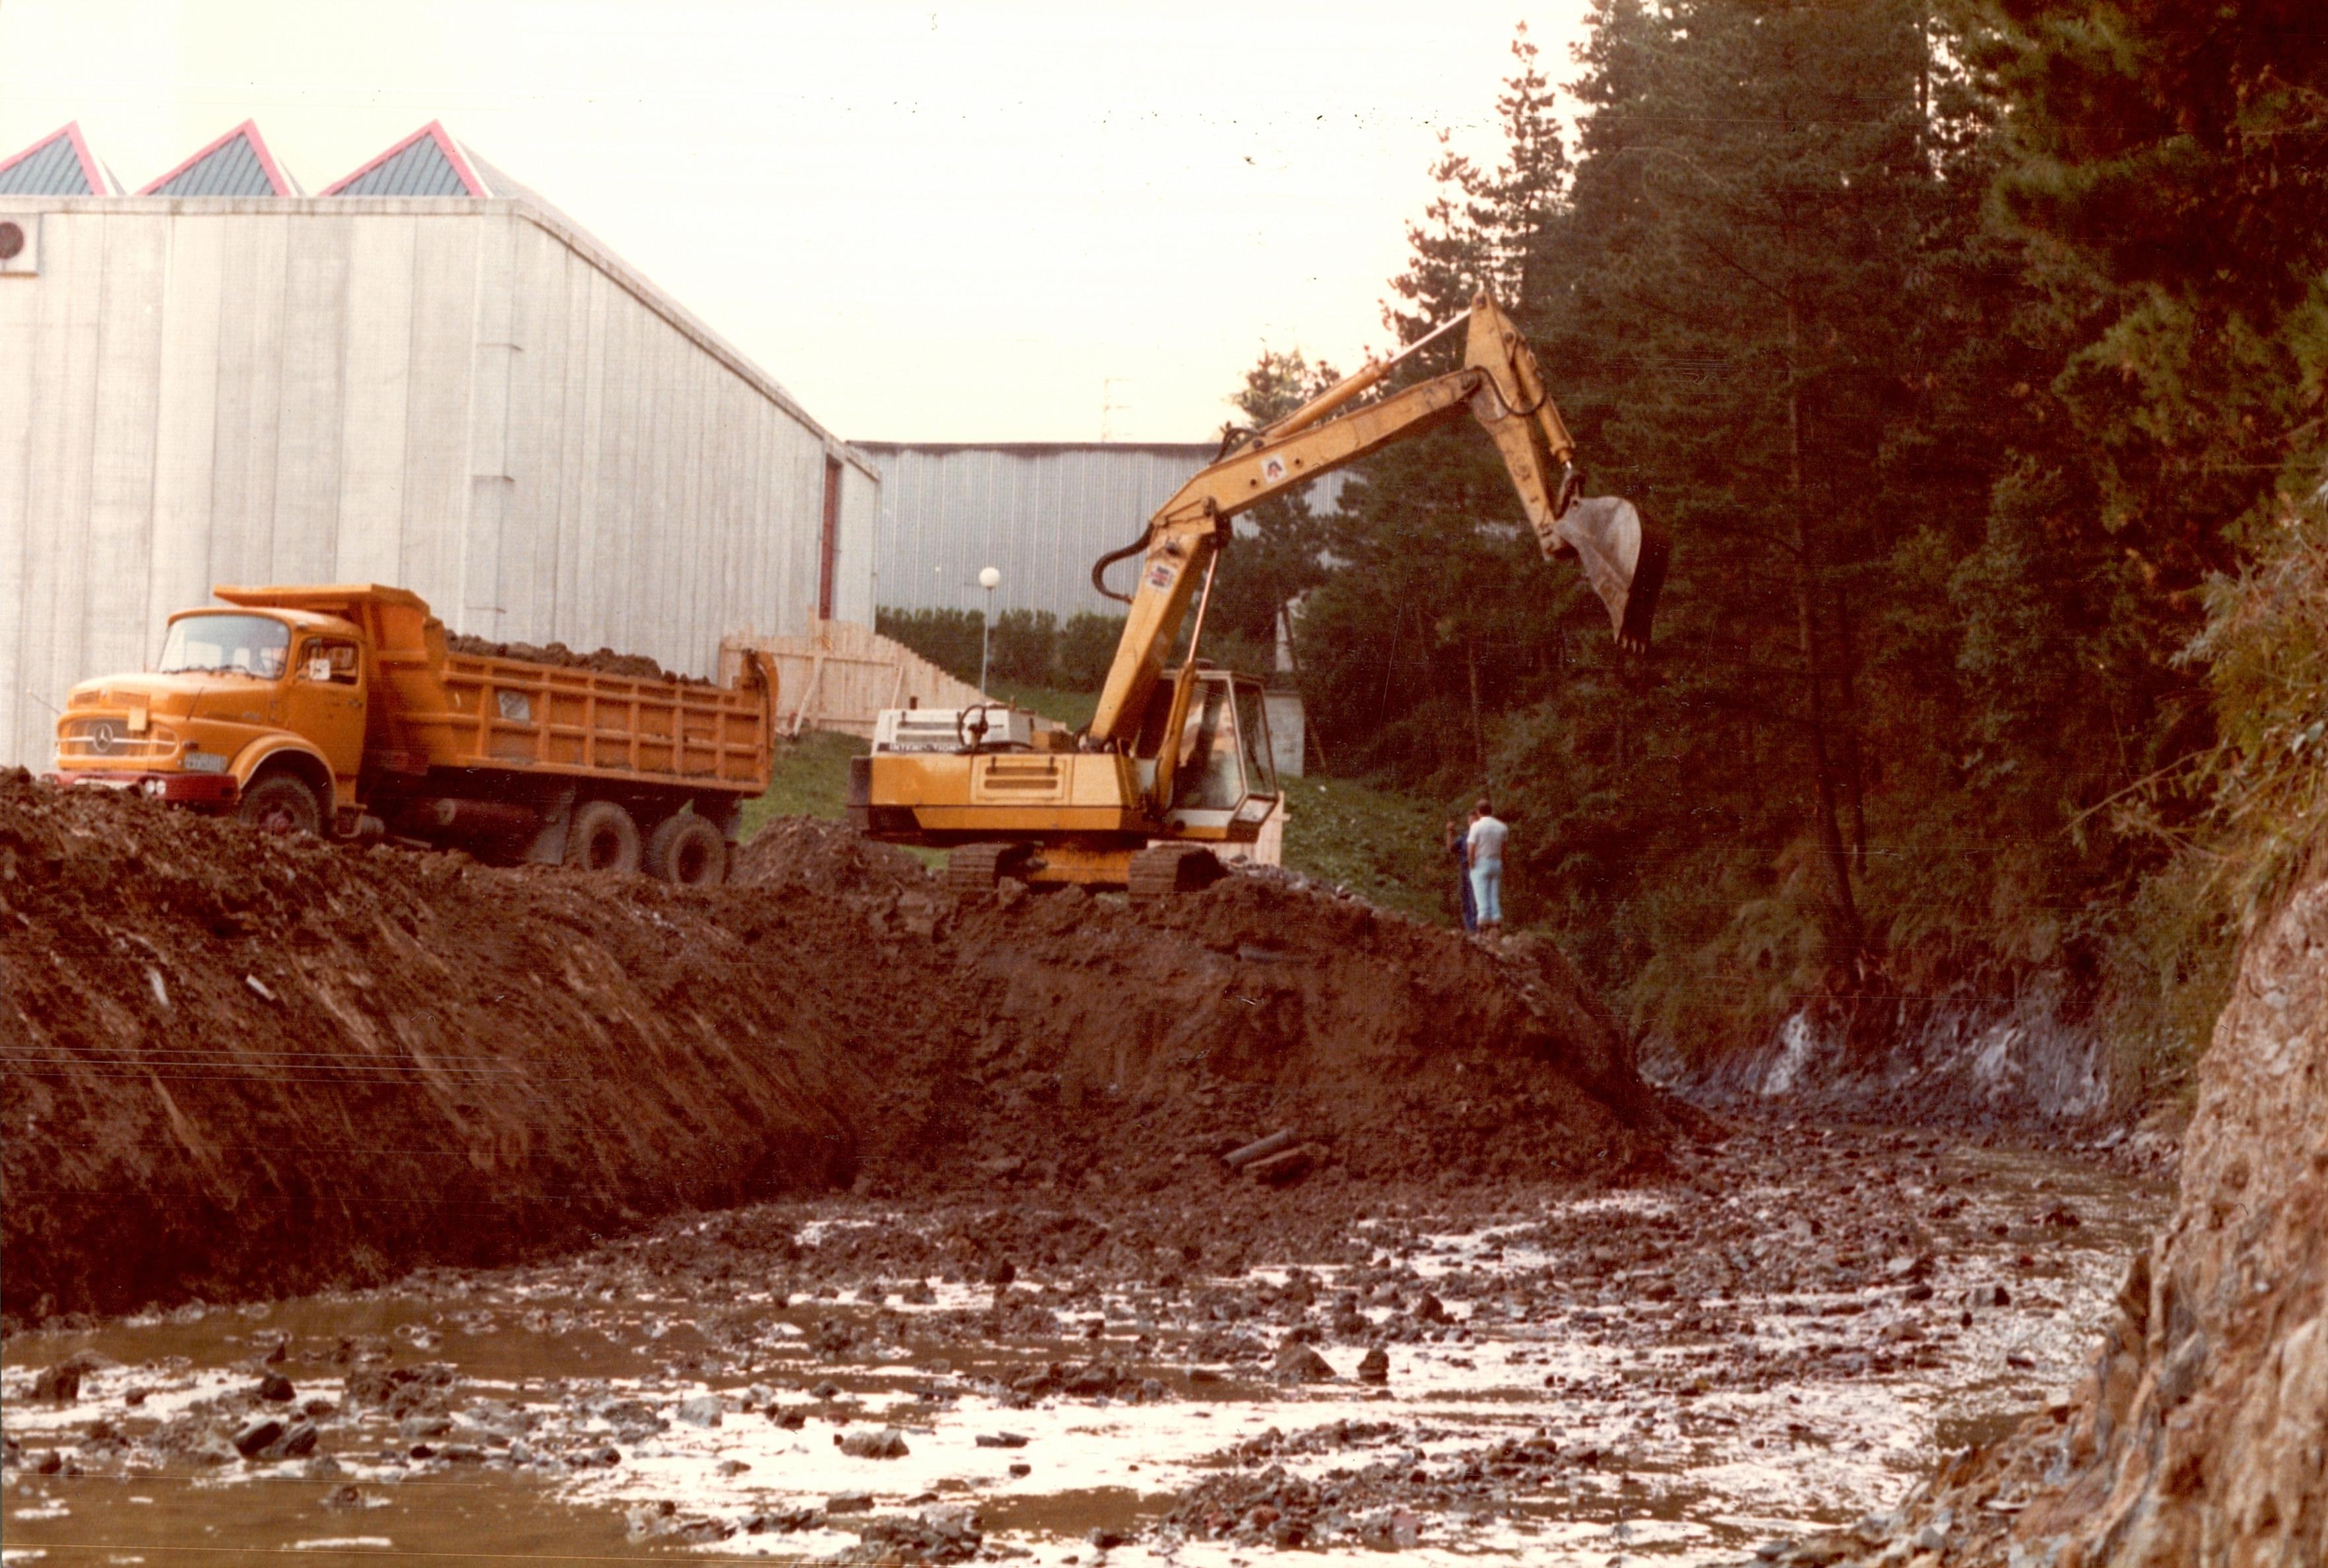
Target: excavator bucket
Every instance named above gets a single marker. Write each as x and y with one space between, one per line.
1623 556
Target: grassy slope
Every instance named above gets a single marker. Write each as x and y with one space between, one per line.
1375 842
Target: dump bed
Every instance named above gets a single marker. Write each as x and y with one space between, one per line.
433 709
554 718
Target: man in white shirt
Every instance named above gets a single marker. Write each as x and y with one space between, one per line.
1486 840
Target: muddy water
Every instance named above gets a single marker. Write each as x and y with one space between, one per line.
1672 1373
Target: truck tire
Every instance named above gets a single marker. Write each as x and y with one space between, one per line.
603 838
281 805
689 850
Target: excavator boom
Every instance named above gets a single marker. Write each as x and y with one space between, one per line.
1621 553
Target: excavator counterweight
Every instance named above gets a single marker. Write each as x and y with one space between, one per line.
1176 760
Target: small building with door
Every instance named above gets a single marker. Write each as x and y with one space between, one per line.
423 375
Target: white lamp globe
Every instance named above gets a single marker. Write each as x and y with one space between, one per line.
991 577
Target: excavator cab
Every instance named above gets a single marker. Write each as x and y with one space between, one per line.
1223 778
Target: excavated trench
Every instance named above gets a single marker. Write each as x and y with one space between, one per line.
769 1219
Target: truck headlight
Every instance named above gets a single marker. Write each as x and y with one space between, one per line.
156 788
203 761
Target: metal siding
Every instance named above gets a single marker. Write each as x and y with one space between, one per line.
461 401
53 171
233 170
1041 514
420 170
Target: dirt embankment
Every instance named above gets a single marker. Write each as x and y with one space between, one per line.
2200 1436
238 1065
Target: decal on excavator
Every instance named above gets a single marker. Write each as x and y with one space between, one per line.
1161 575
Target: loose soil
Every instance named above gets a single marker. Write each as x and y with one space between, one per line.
242 1066
606 661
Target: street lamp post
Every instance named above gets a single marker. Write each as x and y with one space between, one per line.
989 579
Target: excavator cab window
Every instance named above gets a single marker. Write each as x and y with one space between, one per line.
1211 771
1253 726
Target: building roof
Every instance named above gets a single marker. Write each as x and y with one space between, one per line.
236 164
1201 451
59 165
428 163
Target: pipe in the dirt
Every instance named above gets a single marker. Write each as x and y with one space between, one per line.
1260 1149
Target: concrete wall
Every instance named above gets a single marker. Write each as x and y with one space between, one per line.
1041 512
471 399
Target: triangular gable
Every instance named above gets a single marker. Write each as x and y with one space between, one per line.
58 164
236 164
425 164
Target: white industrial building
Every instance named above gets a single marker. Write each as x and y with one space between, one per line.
424 375
1040 512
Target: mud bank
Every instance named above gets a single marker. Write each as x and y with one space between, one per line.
2199 1434
2035 1061
238 1066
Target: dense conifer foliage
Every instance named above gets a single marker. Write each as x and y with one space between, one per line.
1973 355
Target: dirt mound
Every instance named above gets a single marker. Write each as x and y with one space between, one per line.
606 661
2197 1437
822 857
243 1066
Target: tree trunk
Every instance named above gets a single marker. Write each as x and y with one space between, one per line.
1854 779
1830 834
1478 726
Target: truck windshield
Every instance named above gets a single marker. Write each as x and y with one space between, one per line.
253 645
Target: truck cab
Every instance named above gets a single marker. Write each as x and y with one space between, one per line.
237 692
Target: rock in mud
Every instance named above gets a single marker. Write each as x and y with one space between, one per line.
59 1384
703 1410
1376 1367
253 1440
1297 1363
276 1389
889 1443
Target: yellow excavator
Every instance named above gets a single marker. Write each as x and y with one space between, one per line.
1175 762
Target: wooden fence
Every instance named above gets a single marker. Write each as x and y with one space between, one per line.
838 675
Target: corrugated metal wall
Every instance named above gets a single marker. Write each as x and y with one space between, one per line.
461 397
1041 512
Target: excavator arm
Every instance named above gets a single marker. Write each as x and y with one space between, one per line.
1621 553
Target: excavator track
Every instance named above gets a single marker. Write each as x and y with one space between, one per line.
1172 868
976 867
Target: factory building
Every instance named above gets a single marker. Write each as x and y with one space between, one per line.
1040 511
423 375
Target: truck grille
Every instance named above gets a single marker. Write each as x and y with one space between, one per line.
104 740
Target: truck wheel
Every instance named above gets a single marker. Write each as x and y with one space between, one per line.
603 838
280 804
688 849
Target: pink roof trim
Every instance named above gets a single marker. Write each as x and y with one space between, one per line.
444 144
97 183
257 145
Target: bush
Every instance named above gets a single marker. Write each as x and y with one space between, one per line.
948 639
1086 647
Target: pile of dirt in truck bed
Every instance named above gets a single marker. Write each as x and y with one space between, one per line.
606 661
240 1065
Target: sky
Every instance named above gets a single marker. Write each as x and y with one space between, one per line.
1002 221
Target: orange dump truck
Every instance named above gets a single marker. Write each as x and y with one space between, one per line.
339 710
